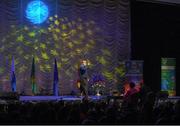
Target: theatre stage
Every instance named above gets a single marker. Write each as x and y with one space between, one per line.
58 98
79 98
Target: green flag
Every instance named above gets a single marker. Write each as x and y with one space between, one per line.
33 82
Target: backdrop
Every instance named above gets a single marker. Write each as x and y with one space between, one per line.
94 30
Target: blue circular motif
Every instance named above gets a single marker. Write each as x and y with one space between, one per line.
37 12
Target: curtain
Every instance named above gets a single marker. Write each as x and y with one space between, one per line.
95 30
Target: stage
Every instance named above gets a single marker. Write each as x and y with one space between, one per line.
59 98
78 98
71 98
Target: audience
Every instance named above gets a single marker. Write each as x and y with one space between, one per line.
150 111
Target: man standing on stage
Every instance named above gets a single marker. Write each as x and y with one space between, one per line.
83 78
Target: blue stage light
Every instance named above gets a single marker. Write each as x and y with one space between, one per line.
37 12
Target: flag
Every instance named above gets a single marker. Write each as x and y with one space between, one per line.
56 80
33 83
13 77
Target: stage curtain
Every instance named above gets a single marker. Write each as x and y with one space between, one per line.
112 17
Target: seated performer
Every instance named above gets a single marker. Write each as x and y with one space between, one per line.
83 79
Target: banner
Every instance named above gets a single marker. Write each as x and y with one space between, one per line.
168 76
134 72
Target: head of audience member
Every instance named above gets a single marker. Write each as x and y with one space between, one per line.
131 85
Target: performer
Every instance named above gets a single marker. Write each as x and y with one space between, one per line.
83 78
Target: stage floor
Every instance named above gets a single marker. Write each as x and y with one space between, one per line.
77 98
58 98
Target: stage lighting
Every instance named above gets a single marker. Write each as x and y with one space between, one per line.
37 12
